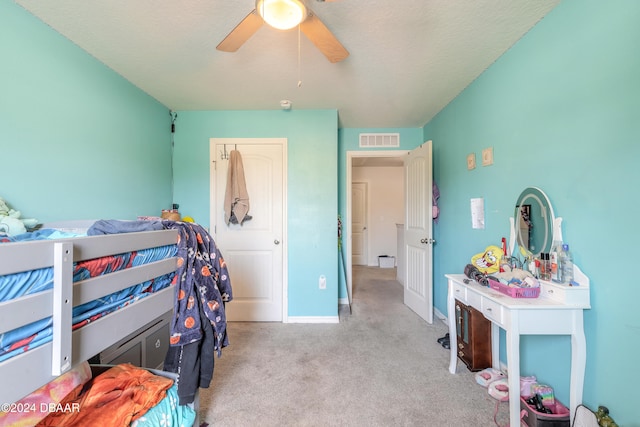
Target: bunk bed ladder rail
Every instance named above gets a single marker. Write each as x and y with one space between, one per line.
62 307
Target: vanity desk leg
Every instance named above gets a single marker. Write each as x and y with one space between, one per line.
453 339
513 372
578 362
495 346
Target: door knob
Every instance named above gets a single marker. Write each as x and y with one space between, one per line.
277 242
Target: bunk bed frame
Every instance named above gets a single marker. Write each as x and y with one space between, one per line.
26 372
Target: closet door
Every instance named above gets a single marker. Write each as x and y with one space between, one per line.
254 250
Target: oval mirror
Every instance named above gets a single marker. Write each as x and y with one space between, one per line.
534 221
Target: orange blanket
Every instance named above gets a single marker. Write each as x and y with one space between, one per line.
116 397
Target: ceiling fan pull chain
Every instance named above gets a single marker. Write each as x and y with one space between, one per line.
299 60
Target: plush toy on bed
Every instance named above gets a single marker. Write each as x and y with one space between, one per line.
10 221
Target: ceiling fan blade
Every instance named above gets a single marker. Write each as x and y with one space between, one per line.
241 33
325 41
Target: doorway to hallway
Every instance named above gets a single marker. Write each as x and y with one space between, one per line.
375 205
411 225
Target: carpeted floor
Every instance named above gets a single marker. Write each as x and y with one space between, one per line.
380 366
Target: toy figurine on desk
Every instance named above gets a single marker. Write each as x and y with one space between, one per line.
603 417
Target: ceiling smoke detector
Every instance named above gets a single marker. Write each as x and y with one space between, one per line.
285 104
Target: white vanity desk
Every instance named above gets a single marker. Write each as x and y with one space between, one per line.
557 311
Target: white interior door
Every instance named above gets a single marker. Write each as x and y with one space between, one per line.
359 244
254 251
418 283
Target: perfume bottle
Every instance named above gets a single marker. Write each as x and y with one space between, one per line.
547 266
542 268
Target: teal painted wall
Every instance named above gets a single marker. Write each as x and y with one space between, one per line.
312 182
78 141
349 140
561 110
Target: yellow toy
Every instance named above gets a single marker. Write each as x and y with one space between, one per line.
488 262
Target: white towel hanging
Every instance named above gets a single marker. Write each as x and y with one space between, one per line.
236 198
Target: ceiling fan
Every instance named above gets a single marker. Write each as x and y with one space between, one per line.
284 15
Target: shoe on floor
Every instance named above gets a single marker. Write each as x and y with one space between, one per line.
444 338
489 375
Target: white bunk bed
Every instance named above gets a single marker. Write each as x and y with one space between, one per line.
26 372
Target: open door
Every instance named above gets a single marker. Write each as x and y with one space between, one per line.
418 241
359 219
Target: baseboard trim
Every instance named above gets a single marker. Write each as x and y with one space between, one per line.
440 315
343 301
313 319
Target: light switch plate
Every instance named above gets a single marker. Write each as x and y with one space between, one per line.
487 156
471 161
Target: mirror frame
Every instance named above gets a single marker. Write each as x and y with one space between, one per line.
536 195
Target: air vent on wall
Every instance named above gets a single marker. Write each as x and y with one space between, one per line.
369 140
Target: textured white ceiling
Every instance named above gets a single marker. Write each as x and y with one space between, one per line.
408 58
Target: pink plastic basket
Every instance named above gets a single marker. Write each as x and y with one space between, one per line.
559 416
514 292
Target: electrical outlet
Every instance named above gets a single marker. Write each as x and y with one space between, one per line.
322 282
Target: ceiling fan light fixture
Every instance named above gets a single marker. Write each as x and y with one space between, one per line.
282 14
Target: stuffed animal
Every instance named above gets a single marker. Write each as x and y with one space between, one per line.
10 221
11 226
488 261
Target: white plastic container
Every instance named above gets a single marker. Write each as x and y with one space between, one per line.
385 261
